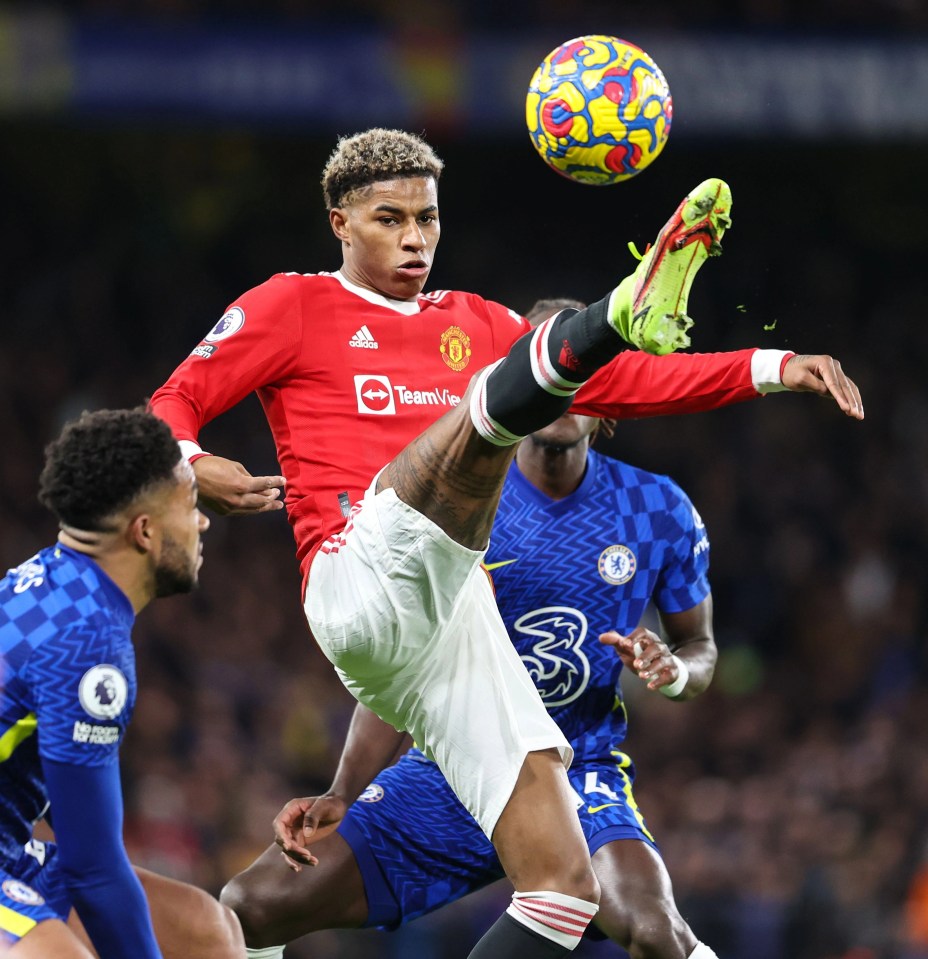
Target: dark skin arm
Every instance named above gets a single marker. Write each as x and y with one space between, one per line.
688 635
228 489
370 746
822 374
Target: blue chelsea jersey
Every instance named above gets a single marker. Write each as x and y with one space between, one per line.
68 682
567 570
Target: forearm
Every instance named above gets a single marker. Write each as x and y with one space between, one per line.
638 384
700 657
370 746
114 911
87 807
689 636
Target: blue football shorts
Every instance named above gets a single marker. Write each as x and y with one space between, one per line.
419 849
31 891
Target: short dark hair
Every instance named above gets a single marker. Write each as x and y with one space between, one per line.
372 156
104 460
542 309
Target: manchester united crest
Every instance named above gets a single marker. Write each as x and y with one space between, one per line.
455 348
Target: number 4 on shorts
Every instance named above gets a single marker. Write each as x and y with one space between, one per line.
593 785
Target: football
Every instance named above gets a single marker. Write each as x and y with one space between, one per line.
598 110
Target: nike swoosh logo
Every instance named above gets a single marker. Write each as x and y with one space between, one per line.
592 809
505 562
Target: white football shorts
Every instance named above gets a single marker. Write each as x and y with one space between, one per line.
408 618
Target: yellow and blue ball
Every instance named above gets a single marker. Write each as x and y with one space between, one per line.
598 110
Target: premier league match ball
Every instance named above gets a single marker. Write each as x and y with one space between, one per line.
598 110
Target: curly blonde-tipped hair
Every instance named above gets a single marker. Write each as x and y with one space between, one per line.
372 156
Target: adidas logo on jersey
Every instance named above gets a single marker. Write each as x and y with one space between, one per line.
364 340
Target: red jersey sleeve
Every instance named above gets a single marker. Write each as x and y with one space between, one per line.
255 344
638 384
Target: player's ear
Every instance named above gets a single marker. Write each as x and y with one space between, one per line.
141 532
338 220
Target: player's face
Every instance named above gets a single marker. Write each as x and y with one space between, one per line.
181 555
568 431
389 233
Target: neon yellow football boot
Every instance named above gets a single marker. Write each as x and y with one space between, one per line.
648 308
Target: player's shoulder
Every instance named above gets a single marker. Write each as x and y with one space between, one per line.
27 586
303 280
293 285
300 284
474 303
280 295
57 592
625 475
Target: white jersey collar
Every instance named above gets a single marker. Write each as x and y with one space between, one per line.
406 307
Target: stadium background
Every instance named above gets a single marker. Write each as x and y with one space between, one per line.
140 195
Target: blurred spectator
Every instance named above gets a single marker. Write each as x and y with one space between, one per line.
831 14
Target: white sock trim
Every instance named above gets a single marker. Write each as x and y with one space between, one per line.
560 918
544 371
268 952
484 424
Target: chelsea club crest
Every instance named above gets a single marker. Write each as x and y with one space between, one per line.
617 565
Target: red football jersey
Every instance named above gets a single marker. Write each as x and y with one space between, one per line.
348 377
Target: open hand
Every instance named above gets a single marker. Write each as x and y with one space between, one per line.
304 820
227 488
822 374
645 654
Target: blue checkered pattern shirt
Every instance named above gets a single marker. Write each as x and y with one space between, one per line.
68 684
567 570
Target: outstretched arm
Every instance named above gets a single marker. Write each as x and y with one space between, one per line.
638 384
680 666
370 747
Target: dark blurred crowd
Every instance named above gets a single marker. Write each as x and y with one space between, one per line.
877 15
790 801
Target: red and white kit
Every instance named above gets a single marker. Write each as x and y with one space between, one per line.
348 377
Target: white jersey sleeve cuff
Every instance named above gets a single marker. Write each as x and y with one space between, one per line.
190 450
765 370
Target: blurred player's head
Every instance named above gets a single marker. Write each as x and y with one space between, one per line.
570 430
381 191
118 485
542 309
